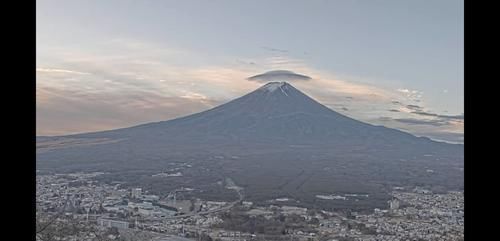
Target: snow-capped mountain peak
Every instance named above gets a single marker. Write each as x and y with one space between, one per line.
272 86
275 86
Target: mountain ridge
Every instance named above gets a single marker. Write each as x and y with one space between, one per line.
262 100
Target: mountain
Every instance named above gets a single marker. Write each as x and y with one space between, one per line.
274 141
276 113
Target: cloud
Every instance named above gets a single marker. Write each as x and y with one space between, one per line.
279 75
275 50
421 122
394 110
245 62
414 95
414 107
65 71
451 117
407 91
284 62
434 127
71 111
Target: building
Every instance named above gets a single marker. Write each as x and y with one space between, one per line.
394 204
112 223
136 193
151 198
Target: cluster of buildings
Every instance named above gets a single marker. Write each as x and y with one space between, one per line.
414 215
80 197
417 214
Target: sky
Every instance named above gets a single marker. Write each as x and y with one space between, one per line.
110 64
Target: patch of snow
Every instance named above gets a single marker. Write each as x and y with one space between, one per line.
284 92
272 86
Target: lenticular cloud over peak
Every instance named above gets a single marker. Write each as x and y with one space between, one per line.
279 75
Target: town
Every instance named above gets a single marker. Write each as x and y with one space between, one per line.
416 214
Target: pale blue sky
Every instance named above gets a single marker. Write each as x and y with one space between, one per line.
182 49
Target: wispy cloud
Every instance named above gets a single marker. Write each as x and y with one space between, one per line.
65 71
422 122
451 117
413 95
406 91
439 127
283 62
414 107
275 49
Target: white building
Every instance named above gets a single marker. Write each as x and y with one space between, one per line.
112 223
394 204
136 193
151 198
